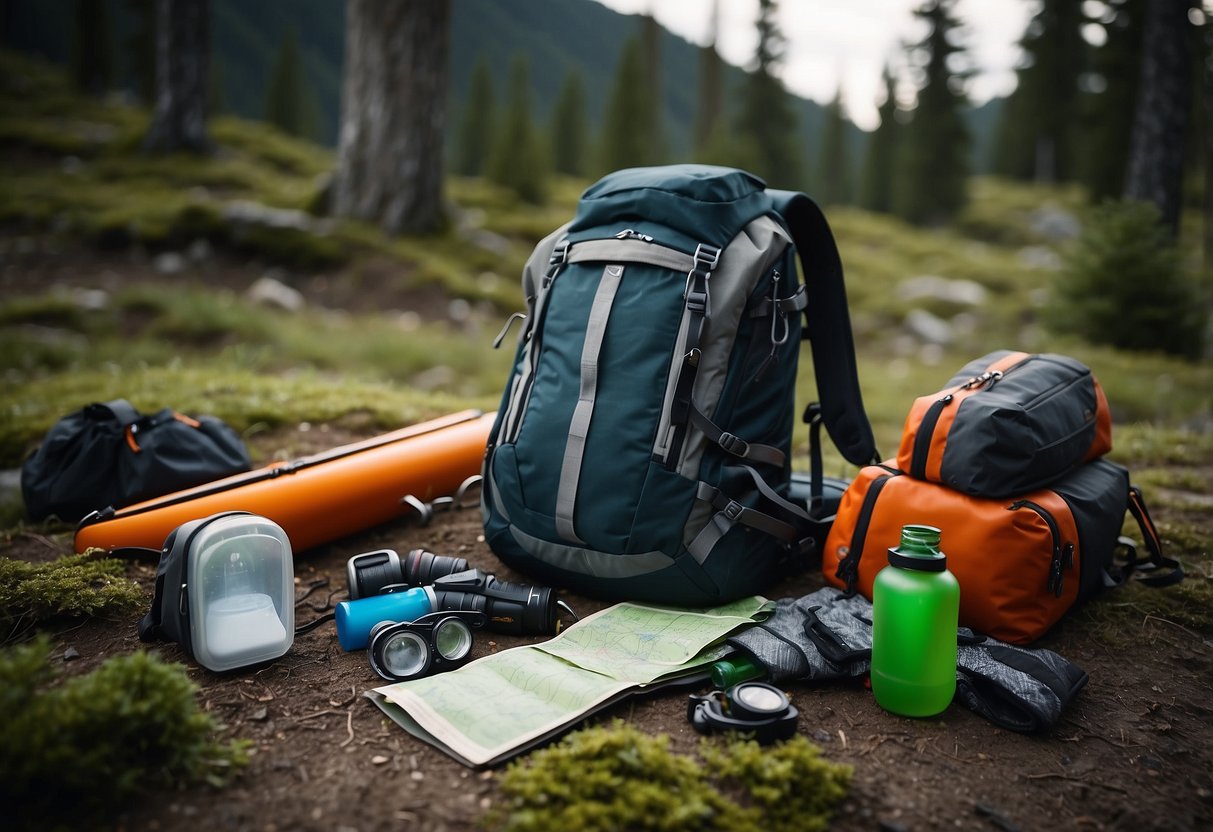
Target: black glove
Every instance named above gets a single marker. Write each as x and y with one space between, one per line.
782 645
1014 687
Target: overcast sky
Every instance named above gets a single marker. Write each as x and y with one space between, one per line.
851 39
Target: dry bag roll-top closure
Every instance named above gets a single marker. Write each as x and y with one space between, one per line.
641 449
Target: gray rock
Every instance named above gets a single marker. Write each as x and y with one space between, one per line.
269 291
963 292
929 328
1054 223
1041 258
168 263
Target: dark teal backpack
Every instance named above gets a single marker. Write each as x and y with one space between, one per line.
641 450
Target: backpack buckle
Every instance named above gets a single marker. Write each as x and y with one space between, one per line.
733 510
706 257
734 444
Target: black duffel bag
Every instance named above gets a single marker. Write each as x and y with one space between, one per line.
109 455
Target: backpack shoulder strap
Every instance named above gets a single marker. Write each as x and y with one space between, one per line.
829 327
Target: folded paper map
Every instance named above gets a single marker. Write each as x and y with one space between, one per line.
498 706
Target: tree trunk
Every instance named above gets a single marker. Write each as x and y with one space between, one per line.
393 114
1156 156
182 73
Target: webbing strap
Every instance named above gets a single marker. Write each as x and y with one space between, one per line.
630 251
735 444
698 309
579 427
730 512
1160 570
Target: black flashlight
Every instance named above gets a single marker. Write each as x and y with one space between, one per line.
518 609
370 572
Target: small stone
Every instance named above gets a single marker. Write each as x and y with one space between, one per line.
378 760
169 262
71 653
260 714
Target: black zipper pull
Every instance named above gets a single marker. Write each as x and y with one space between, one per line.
1063 557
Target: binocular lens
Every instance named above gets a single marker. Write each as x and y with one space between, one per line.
452 639
405 654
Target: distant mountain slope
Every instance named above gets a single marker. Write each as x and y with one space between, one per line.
555 35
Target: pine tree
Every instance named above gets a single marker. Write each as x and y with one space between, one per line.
1037 134
766 124
476 130
288 103
139 48
1107 110
934 161
876 187
625 132
832 185
650 92
393 114
711 86
570 131
517 161
90 56
182 72
1160 121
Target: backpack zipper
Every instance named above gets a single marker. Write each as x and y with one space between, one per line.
848 567
926 428
1063 555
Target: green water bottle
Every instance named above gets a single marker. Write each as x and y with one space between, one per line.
915 605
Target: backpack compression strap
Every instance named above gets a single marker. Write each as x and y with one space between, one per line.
829 327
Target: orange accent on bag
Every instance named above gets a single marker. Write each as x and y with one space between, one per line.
939 436
319 498
1003 557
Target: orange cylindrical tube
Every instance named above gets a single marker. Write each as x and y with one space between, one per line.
320 498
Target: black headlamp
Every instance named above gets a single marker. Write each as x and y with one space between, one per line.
433 643
750 707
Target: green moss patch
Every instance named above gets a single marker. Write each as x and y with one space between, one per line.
75 586
618 777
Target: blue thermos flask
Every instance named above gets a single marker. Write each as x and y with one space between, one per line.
356 618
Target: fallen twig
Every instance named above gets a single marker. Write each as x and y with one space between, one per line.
349 726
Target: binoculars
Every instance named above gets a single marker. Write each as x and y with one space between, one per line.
415 612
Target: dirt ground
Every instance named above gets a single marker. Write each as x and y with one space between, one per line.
1134 752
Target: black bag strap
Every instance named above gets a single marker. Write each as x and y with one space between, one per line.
1159 570
829 327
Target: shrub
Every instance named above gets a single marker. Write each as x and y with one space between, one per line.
73 754
618 777
1123 284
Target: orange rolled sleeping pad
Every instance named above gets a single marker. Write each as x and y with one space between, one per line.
319 498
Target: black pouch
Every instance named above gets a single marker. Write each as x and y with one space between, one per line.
109 455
